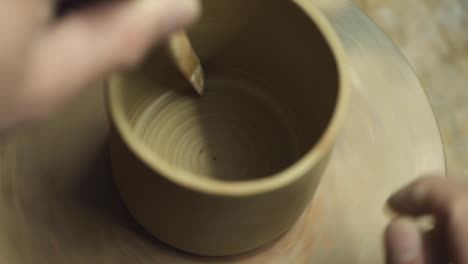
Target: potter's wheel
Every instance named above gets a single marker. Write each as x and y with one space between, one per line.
58 204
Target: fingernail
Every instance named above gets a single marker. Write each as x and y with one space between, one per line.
185 12
404 242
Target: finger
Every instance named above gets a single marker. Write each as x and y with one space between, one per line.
403 243
65 6
435 246
429 195
87 45
448 200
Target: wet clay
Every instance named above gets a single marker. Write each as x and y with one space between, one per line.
231 133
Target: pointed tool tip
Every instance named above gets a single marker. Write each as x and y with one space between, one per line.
198 80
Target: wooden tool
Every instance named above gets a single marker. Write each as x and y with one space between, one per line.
180 48
187 60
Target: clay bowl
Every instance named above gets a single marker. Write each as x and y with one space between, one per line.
230 171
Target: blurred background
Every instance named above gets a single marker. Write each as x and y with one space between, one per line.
433 35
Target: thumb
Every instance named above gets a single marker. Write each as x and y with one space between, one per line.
404 243
87 45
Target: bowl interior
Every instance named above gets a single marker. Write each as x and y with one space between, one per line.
271 89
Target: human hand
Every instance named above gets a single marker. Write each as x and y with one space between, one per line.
447 201
44 60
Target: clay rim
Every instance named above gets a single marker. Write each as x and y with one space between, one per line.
265 184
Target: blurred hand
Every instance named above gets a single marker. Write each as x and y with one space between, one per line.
44 60
447 201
